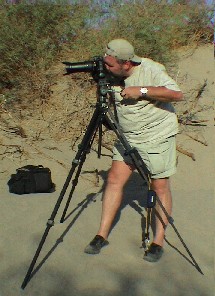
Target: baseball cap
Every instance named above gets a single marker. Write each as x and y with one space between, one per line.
123 50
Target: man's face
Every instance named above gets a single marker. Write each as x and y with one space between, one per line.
113 66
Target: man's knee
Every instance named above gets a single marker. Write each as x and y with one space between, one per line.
113 179
118 176
161 186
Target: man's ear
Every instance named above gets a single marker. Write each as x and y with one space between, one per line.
127 65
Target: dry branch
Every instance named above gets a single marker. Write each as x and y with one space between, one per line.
96 174
201 90
185 152
107 146
18 130
188 116
194 122
12 150
198 140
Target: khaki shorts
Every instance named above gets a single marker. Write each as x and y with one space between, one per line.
159 157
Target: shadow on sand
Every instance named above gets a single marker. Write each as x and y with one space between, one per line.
136 201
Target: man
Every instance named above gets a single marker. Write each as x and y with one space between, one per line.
149 123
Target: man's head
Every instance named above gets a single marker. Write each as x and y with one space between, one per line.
122 50
120 57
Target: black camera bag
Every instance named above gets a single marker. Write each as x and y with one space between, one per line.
31 179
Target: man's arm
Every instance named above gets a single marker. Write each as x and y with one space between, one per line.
160 93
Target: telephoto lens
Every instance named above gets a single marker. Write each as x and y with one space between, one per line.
87 66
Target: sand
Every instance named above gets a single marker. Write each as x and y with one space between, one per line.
62 268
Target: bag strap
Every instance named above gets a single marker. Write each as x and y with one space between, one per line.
30 167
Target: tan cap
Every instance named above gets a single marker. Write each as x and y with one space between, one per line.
123 50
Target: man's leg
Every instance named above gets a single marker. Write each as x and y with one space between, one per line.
112 197
162 189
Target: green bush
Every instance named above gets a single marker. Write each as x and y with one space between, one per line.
32 35
156 30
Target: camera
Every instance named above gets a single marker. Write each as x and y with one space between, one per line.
95 66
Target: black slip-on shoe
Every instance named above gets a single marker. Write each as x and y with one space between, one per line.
154 253
95 245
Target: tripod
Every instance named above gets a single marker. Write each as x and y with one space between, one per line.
101 116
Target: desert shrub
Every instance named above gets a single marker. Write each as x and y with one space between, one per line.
156 30
32 35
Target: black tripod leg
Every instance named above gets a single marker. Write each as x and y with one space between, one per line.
99 143
92 127
145 223
82 160
171 222
75 182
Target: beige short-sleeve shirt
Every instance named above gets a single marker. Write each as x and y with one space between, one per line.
147 120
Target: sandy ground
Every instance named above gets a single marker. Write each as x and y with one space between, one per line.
63 269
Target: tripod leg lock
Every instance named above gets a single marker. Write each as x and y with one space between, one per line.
146 241
170 219
50 222
151 199
75 161
130 151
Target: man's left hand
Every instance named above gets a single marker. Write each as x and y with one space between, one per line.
131 92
